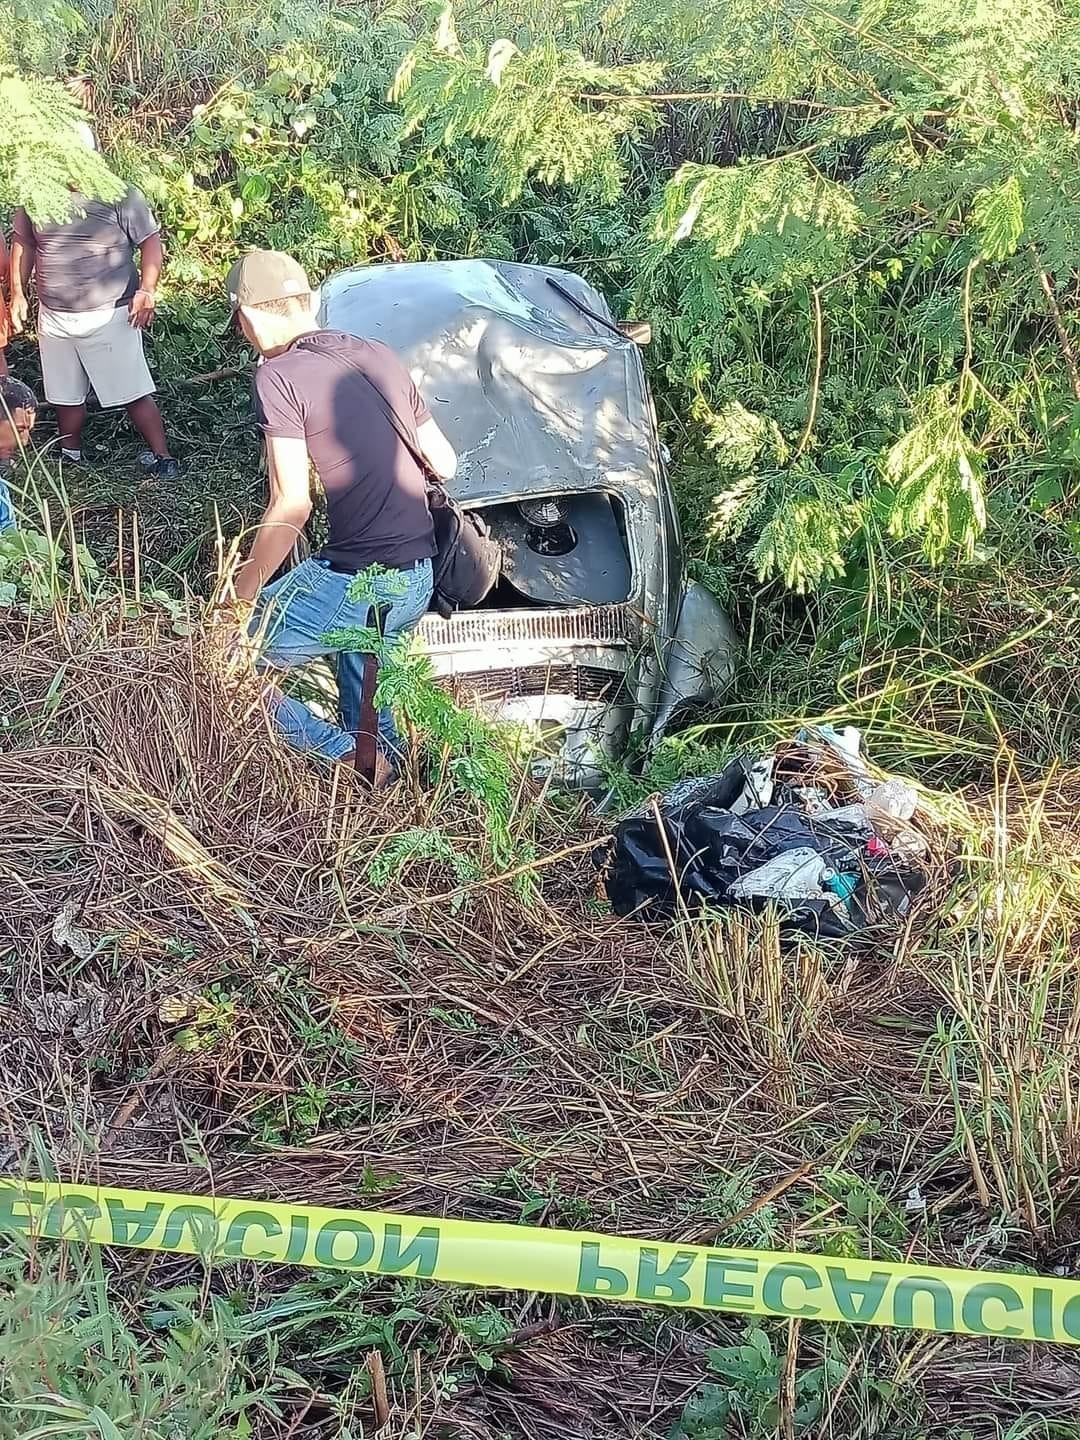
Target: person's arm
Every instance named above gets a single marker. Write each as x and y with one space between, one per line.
23 255
281 413
151 259
5 314
436 450
139 224
284 518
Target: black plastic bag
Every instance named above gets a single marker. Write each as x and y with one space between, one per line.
710 847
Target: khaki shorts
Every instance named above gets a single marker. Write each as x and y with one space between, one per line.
97 348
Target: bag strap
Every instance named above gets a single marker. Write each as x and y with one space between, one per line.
384 404
367 737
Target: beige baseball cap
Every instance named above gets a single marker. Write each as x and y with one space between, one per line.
264 275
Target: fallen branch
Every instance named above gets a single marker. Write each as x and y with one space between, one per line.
137 1097
400 911
230 372
1067 352
379 1397
773 1193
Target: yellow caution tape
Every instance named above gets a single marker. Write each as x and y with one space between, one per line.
553 1262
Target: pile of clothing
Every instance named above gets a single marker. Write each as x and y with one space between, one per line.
806 829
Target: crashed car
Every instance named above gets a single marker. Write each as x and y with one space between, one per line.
592 634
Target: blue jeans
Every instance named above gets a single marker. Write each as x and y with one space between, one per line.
294 616
7 510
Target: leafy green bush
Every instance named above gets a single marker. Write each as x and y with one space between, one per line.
855 241
36 568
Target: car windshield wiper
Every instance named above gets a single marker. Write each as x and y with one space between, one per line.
584 309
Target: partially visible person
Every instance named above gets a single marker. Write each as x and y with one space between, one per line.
5 318
343 405
18 410
93 305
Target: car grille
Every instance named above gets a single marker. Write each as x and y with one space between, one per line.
598 625
583 682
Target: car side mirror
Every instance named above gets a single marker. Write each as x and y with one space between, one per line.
639 331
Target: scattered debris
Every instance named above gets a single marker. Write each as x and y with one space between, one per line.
81 1015
915 1202
798 874
67 934
808 827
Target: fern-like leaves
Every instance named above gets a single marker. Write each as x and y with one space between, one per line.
936 478
804 540
42 158
776 222
998 218
529 108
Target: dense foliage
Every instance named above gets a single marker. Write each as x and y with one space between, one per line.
854 228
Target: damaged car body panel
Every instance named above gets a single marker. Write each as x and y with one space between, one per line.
591 633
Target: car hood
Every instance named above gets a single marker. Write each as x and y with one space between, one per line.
534 394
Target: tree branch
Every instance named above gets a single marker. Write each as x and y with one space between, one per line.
674 96
1068 353
819 361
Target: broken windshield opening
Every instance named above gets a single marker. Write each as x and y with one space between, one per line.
561 550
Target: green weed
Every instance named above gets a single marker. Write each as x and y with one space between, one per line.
76 1359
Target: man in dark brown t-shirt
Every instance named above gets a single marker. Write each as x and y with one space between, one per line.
342 404
324 390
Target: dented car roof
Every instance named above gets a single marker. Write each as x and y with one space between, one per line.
533 392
